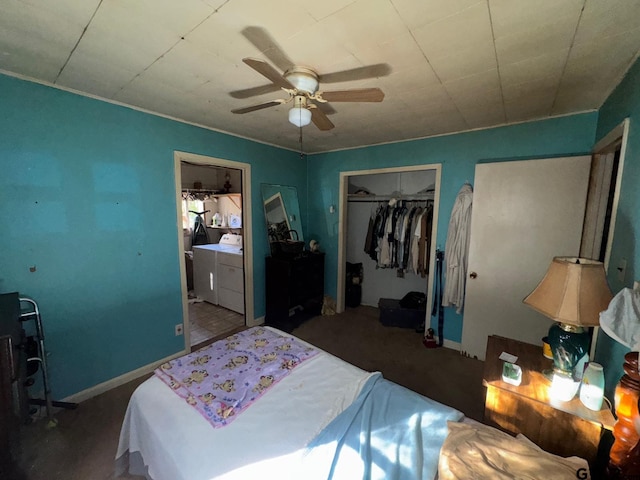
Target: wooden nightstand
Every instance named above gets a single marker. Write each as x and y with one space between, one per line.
561 428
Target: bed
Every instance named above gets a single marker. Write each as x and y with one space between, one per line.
324 419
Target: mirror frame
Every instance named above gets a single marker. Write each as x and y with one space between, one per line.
287 197
272 200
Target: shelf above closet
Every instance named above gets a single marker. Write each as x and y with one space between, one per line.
202 193
418 197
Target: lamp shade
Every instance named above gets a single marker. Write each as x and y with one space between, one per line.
299 116
574 291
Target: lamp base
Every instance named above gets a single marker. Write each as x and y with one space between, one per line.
570 348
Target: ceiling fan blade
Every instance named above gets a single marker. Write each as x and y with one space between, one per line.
326 108
265 43
253 108
254 91
355 95
360 73
320 120
268 71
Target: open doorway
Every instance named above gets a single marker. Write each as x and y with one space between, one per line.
602 203
411 187
213 229
604 192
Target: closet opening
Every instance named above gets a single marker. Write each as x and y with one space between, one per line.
382 270
214 238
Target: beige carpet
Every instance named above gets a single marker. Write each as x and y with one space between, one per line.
83 445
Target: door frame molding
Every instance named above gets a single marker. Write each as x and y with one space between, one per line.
342 226
617 137
247 233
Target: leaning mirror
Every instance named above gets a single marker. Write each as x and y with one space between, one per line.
282 215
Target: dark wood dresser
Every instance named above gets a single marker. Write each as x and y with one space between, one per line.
294 289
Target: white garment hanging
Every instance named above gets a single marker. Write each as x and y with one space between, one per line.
457 249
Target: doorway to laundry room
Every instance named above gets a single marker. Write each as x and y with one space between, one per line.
212 225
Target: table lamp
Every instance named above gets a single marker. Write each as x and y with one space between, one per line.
621 321
573 293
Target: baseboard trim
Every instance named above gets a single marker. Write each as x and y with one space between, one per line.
117 381
452 345
257 321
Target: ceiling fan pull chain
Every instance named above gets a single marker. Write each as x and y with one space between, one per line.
301 151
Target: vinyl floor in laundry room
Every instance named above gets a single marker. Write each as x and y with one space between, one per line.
207 321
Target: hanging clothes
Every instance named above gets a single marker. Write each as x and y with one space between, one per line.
457 249
371 241
424 244
416 231
398 220
368 242
398 236
408 236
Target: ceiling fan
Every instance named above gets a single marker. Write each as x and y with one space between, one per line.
301 84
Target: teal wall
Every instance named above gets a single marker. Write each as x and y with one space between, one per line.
622 103
87 200
458 154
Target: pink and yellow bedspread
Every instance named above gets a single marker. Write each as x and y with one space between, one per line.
223 379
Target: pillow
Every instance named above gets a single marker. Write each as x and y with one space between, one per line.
477 451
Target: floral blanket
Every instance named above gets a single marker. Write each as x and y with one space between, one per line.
223 379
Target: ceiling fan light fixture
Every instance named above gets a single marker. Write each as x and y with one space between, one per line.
303 79
300 116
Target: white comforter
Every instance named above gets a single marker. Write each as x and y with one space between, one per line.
176 443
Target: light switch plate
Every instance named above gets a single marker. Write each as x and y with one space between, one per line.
622 269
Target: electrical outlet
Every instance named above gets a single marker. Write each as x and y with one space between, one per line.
178 329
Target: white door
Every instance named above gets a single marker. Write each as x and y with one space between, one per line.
524 213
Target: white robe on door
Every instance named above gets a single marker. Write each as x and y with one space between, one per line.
457 249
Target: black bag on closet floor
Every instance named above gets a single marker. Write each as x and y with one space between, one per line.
393 314
415 300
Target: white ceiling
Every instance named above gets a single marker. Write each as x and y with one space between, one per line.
452 65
